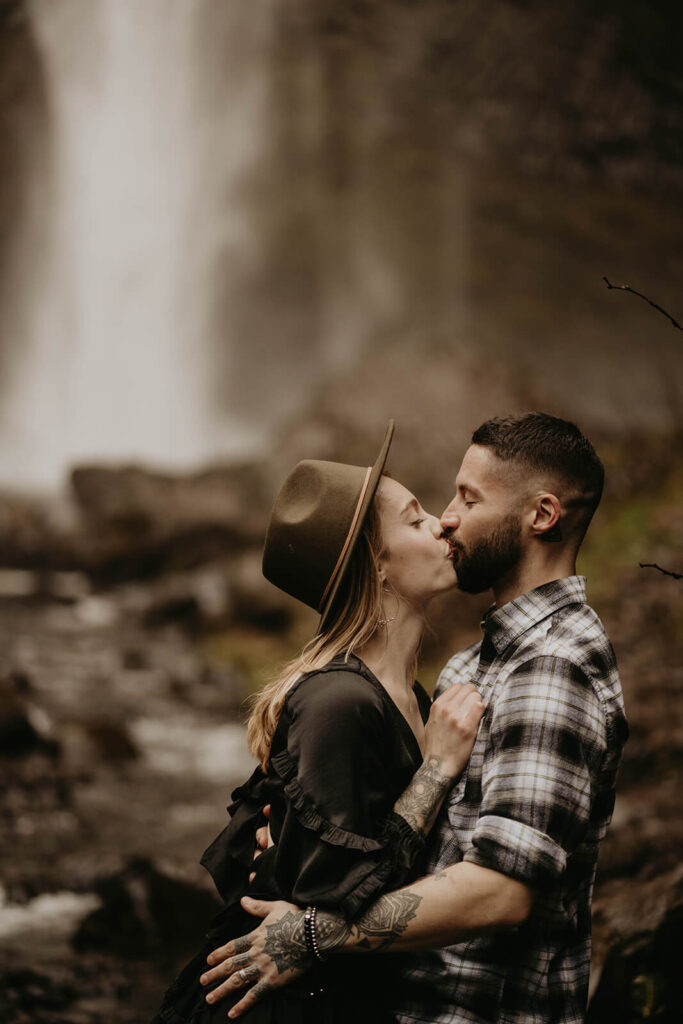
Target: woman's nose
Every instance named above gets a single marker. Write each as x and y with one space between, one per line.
435 526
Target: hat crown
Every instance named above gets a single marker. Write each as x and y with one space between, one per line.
309 527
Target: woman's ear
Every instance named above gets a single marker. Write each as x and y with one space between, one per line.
547 515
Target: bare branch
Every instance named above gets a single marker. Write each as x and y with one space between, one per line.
667 572
627 288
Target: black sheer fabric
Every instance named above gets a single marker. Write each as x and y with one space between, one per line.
341 756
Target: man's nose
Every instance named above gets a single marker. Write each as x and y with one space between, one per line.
450 520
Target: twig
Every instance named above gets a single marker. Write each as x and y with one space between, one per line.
667 572
627 288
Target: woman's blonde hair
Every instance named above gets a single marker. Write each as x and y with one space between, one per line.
354 618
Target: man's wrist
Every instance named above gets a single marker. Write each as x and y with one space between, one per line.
311 934
382 924
332 931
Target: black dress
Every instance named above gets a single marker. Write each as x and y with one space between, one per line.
341 755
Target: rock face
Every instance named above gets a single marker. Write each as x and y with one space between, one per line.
138 521
130 523
145 912
640 977
578 91
19 735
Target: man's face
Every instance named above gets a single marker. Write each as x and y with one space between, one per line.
483 521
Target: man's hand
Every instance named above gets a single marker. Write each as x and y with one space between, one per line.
268 958
263 839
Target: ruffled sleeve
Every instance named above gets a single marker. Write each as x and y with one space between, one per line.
339 843
230 857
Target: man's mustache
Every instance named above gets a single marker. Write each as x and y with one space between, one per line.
453 545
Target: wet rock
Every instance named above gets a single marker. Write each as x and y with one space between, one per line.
24 991
97 612
146 912
194 601
92 990
17 583
127 524
24 729
65 586
97 741
640 975
134 659
257 602
139 522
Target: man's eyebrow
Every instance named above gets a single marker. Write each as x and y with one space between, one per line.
464 487
412 504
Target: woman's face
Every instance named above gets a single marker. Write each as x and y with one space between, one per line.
415 560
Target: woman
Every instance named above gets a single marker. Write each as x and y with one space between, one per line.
339 736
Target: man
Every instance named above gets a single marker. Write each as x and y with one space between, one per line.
503 917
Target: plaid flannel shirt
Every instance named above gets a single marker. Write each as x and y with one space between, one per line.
533 803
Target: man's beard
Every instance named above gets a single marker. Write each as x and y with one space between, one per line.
491 558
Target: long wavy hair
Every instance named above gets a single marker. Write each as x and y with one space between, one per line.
353 620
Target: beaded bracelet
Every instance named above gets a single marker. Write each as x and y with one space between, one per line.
311 934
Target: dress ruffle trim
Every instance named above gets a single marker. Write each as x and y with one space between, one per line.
393 828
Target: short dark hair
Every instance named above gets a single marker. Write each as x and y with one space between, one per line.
547 444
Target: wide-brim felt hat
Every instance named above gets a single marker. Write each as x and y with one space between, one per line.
315 524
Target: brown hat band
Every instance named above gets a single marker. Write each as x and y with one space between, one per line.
348 538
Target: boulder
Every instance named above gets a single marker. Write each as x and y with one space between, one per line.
639 978
147 912
24 729
138 523
256 602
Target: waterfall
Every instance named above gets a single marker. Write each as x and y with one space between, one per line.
115 356
232 212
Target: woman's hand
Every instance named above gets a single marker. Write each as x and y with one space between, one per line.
271 956
449 737
452 728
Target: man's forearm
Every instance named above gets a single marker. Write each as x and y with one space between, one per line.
461 902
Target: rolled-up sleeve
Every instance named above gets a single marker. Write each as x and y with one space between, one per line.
548 736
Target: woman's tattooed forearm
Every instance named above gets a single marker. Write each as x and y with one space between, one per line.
286 942
420 803
376 930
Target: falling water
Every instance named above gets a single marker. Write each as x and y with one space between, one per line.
114 359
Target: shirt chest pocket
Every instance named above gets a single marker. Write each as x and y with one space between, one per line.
458 791
467 790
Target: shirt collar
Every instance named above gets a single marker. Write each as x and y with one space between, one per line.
506 624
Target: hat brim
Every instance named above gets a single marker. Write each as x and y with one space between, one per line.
373 483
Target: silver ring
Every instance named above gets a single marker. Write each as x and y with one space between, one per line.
242 975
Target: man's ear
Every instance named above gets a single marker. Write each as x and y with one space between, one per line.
546 518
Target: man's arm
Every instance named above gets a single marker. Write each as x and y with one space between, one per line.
459 902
